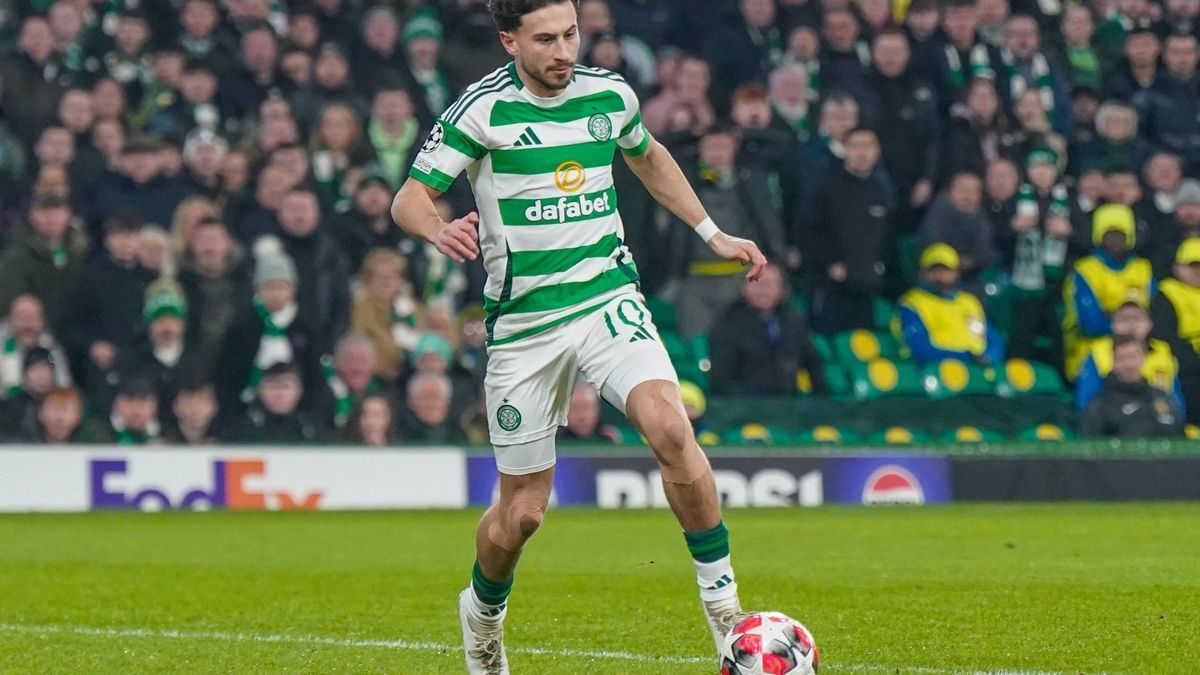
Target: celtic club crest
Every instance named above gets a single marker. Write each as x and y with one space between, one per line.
508 417
600 127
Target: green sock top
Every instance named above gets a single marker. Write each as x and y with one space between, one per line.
708 545
490 592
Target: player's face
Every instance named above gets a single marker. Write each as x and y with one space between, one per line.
546 45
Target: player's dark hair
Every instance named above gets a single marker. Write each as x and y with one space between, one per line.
507 13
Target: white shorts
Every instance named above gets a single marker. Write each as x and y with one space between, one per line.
529 382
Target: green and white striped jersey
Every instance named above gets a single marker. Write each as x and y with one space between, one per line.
541 171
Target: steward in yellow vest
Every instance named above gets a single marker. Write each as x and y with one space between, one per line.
1159 368
938 320
1101 282
1176 314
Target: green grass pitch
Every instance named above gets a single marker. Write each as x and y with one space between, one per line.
959 589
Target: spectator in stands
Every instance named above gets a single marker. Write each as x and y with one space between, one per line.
1128 406
194 410
852 217
428 411
349 378
245 86
19 407
1176 314
1117 142
392 133
965 57
31 87
739 198
687 95
956 218
899 106
820 157
1080 60
761 344
1026 66
1173 103
268 332
1138 70
790 101
422 47
583 417
204 155
1102 281
471 354
193 106
386 310
979 131
25 329
324 277
1160 368
139 186
134 418
44 257
59 419
938 320
215 278
274 415
1037 241
75 114
378 59
369 224
845 59
162 356
752 45
330 85
105 315
371 423
1158 241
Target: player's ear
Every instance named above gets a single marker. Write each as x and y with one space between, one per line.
509 42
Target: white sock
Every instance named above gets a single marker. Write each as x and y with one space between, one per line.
483 611
715 579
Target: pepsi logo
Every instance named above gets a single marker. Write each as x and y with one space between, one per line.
892 484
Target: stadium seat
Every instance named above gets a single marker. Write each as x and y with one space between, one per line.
898 436
663 314
699 348
969 434
882 378
1192 432
676 347
836 378
997 300
756 434
885 310
863 346
825 435
1046 432
950 378
908 251
624 435
1019 377
823 347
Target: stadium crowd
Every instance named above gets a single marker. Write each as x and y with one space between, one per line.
197 245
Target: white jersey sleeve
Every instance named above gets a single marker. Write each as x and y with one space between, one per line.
633 138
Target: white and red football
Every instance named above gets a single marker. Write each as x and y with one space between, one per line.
769 643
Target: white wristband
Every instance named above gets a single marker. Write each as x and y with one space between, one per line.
707 229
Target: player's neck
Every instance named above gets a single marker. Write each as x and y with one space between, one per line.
533 86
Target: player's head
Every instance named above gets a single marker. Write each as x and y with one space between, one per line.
542 36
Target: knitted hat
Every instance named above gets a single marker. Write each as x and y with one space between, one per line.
1113 218
431 343
423 24
1188 192
163 298
1041 155
275 266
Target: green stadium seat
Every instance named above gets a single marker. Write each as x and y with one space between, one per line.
884 311
906 248
663 314
897 436
863 346
969 434
756 434
837 379
997 300
1019 377
699 347
825 435
823 347
624 435
950 378
882 378
1046 432
676 347
800 303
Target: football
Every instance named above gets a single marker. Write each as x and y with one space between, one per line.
769 643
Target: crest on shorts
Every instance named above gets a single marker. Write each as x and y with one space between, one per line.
435 138
508 417
600 127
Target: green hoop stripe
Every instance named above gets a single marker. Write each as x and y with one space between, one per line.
434 178
539 160
521 112
631 125
540 263
455 138
559 296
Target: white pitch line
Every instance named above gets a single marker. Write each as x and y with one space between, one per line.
425 646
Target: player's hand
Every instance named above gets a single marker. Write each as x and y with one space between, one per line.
458 238
736 248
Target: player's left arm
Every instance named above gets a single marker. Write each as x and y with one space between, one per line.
660 173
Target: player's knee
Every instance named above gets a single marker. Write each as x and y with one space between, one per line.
667 427
525 517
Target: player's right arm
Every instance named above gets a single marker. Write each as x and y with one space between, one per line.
449 150
414 212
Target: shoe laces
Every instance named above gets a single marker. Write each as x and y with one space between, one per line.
488 646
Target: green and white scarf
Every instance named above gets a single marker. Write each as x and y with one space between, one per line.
979 66
343 399
1018 83
403 319
273 347
435 89
10 367
126 436
1039 257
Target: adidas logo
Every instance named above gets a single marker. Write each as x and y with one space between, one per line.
724 581
527 138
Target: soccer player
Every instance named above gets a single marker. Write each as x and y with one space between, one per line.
537 140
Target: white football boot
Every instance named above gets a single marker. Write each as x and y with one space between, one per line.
483 639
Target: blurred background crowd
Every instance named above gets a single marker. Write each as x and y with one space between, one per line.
197 246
